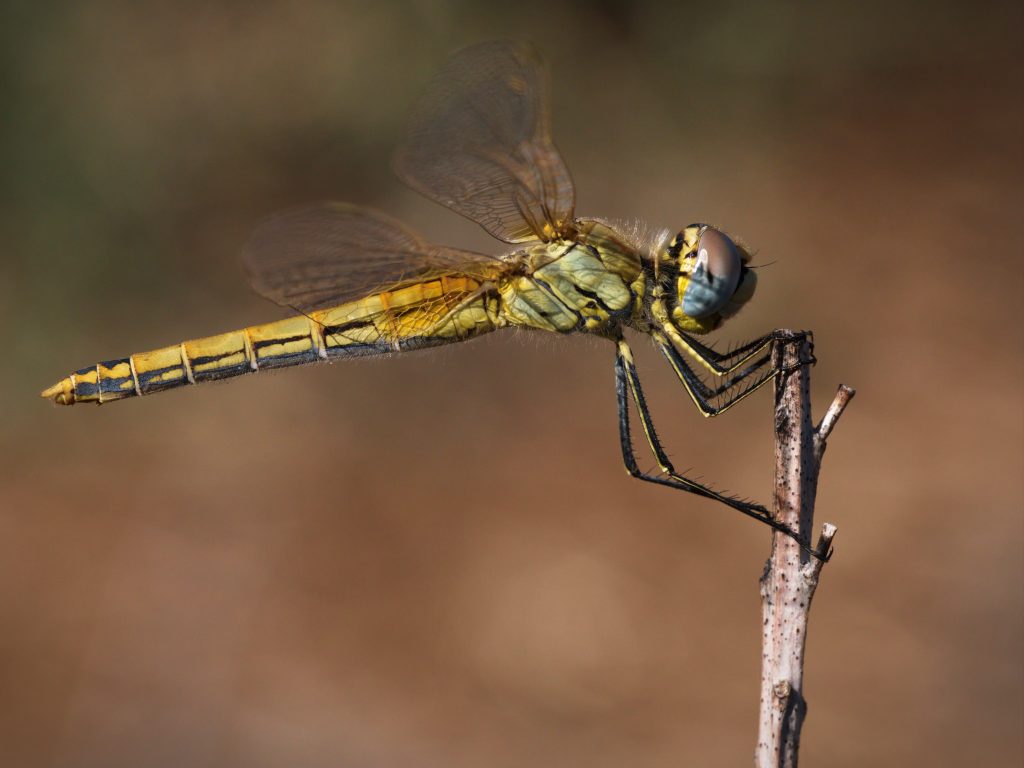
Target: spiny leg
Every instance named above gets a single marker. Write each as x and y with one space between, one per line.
744 351
705 353
626 378
719 363
703 388
699 391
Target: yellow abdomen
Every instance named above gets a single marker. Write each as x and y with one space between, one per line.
440 310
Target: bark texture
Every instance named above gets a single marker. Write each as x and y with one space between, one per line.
793 569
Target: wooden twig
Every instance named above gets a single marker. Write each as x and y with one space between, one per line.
791 573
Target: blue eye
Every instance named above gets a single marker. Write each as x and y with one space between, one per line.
715 275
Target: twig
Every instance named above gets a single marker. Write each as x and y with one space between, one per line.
791 573
828 423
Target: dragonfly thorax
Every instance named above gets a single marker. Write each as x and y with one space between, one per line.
710 278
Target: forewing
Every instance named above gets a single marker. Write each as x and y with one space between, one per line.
329 254
480 143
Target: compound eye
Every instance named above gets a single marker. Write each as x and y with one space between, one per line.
722 259
715 276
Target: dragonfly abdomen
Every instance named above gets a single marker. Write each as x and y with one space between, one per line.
293 341
437 311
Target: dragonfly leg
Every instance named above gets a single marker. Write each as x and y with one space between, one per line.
627 385
703 388
728 393
721 364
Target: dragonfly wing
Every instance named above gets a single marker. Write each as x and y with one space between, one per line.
328 254
480 143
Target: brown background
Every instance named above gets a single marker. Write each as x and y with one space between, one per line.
437 560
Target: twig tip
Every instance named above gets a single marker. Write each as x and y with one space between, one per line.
835 410
822 550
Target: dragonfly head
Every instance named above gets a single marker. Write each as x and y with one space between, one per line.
713 280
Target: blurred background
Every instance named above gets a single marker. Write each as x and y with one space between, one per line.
437 560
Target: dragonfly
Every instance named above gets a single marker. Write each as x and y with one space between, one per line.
361 283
